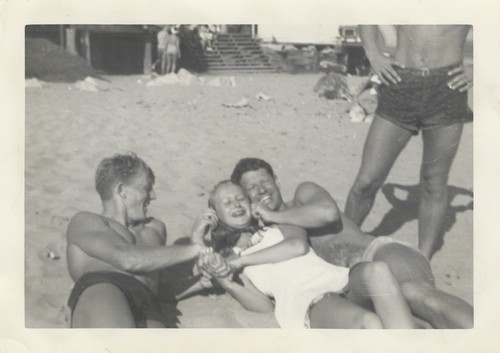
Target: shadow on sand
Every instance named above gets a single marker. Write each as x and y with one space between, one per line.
405 209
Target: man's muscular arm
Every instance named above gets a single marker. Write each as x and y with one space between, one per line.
312 207
93 235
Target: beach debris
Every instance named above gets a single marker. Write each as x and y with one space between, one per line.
89 85
169 79
262 96
185 77
358 114
243 102
215 82
332 86
368 99
222 81
338 86
328 66
33 83
52 255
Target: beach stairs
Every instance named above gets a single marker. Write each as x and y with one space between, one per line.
237 52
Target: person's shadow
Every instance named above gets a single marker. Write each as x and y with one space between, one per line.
406 209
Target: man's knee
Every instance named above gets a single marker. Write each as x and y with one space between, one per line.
434 184
366 185
376 273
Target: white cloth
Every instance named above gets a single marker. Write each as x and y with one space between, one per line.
380 242
295 283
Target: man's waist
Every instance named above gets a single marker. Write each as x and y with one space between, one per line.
426 71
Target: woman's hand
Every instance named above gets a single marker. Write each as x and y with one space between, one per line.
213 265
202 227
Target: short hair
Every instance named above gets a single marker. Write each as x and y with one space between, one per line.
211 196
224 237
247 165
119 168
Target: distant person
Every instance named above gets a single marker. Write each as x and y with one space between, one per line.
424 87
162 45
172 51
114 256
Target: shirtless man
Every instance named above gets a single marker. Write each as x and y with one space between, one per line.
339 241
114 257
424 86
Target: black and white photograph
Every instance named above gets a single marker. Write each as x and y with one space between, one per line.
195 175
260 175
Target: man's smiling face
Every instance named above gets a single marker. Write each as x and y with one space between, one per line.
262 189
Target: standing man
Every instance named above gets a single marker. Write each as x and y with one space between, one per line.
114 257
424 87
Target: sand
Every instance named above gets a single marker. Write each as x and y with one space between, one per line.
192 141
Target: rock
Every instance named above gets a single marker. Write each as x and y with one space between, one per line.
262 96
239 104
332 86
33 83
357 114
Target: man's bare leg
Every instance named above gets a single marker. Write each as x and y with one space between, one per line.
373 283
415 277
383 144
440 148
102 306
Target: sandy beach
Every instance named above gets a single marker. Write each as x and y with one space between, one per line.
192 140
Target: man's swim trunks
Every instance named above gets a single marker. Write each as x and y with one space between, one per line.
380 242
423 100
143 303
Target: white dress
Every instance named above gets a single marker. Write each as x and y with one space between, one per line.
295 283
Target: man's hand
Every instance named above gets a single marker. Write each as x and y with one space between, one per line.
262 213
383 67
203 226
213 265
462 80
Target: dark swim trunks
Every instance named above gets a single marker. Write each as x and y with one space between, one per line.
423 100
143 303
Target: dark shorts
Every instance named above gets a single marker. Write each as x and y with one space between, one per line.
423 100
143 303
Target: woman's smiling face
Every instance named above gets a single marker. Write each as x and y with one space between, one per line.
232 206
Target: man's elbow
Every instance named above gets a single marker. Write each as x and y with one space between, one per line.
129 263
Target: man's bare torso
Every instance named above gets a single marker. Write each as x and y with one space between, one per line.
430 46
80 263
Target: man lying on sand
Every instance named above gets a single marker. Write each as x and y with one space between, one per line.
307 291
339 241
114 257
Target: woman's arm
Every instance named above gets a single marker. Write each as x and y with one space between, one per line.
248 295
294 245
